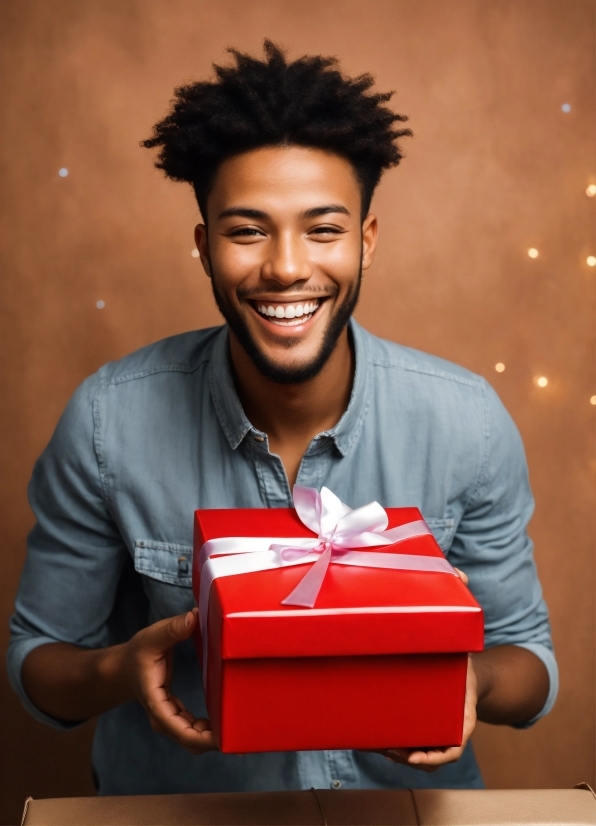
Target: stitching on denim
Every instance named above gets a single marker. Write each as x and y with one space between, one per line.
161 368
234 443
484 463
427 371
358 426
98 446
156 545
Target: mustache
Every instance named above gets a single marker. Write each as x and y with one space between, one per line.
258 292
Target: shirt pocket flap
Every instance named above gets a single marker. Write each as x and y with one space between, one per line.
442 530
164 561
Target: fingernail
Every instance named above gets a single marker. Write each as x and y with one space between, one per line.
187 619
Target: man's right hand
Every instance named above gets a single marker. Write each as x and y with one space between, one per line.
73 683
147 661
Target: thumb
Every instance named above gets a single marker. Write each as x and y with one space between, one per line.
165 634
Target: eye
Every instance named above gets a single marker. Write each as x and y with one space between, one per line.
245 232
326 230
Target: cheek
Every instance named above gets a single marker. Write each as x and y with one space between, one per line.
236 263
339 261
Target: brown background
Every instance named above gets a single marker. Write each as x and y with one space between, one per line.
496 167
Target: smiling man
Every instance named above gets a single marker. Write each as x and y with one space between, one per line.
284 159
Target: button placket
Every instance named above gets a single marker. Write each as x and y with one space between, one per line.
273 482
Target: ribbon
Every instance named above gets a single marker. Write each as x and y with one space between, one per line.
338 529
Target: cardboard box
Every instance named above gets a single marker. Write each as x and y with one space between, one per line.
336 808
380 661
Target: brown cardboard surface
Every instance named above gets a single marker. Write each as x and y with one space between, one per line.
335 808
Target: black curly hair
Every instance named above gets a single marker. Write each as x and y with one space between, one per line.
272 102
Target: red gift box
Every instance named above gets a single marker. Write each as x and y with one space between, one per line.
380 662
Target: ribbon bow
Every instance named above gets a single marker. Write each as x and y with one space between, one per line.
339 529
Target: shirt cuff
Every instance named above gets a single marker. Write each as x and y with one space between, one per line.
548 658
17 653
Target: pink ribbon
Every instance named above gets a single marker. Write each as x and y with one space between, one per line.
338 530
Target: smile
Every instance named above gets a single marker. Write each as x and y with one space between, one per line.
288 314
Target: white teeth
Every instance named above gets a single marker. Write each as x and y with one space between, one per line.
289 311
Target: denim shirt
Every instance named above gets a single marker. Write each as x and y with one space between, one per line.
150 438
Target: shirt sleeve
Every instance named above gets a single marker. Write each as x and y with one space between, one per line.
492 546
75 553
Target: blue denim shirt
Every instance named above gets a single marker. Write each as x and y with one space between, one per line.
148 439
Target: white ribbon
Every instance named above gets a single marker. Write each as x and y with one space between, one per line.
338 530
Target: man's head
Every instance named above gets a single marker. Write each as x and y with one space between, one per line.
283 158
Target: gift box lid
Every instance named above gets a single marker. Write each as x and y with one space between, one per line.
359 611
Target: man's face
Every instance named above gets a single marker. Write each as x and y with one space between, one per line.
285 250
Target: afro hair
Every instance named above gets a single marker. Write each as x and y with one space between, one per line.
271 102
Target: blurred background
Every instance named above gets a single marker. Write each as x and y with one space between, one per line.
485 258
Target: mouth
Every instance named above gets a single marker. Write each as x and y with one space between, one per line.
288 313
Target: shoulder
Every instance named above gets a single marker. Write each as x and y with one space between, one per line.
406 362
183 353
428 384
175 356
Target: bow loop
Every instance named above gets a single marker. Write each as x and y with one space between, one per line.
370 518
338 527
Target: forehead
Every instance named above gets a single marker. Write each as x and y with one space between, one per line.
285 178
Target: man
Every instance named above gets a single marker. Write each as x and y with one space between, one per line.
284 158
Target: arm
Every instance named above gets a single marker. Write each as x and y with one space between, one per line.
71 683
514 680
60 662
511 685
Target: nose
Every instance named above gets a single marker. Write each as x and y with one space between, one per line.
287 261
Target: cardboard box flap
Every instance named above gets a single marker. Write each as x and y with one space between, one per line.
359 611
399 807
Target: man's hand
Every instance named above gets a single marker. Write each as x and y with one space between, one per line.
429 760
506 685
73 683
147 667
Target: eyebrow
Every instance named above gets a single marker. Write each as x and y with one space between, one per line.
316 212
260 215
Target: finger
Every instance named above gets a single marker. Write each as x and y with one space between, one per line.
435 757
163 635
400 756
187 731
463 576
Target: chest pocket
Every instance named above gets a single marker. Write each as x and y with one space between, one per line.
164 561
443 531
163 565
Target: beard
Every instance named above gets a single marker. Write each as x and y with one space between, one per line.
302 372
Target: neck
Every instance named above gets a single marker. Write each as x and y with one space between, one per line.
293 414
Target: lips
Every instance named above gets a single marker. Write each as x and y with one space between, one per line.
288 314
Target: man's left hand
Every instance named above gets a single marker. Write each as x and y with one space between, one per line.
429 760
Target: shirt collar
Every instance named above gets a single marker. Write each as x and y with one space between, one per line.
233 418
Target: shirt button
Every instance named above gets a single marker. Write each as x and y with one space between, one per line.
259 438
182 566
336 784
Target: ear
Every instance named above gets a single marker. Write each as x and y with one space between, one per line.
370 229
203 247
